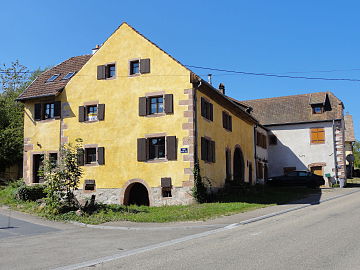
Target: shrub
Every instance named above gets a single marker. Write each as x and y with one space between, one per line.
31 193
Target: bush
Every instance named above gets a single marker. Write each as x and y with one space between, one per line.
31 193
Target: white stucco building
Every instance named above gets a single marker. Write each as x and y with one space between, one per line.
305 132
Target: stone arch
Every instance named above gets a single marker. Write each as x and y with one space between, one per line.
125 192
238 165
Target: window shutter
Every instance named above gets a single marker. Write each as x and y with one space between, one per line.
141 149
81 157
101 155
145 66
101 112
81 114
169 104
230 123
211 111
212 151
143 111
203 109
171 147
37 112
107 72
321 135
203 148
224 119
166 182
57 109
101 72
42 111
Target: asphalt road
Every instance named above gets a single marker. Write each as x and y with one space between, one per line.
321 236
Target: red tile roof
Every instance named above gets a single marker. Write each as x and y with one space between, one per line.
295 109
40 88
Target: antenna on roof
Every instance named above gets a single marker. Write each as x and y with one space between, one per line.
209 78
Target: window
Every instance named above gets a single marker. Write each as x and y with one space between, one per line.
227 121
261 140
50 110
166 187
106 71
207 150
37 164
228 164
317 136
53 159
53 78
156 105
318 109
134 67
157 148
90 113
68 76
89 185
139 66
206 109
90 155
272 140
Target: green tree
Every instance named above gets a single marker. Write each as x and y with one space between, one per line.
14 79
357 154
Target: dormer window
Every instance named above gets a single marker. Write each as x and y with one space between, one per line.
53 78
318 109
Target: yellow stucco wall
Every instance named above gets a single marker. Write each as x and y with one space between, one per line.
242 134
122 125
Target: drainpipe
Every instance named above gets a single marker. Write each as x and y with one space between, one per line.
334 143
255 163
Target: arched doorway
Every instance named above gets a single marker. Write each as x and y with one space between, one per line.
136 193
239 166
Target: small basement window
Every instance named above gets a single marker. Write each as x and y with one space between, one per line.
166 186
134 67
53 78
89 185
90 155
68 76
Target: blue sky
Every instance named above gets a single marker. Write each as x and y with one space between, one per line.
253 36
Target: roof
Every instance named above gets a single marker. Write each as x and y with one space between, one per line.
40 88
295 108
349 129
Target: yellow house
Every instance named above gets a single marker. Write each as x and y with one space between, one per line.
144 119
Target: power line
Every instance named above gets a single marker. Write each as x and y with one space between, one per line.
275 75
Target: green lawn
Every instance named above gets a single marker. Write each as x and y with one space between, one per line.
226 204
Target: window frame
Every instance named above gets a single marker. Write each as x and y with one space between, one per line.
53 78
209 148
107 71
156 153
207 109
131 62
150 98
318 107
86 149
87 107
69 75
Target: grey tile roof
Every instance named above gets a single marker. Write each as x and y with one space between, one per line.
349 129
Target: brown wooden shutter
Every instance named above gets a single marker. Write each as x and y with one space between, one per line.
37 112
101 72
211 112
101 112
166 182
143 108
145 66
57 109
107 72
203 148
169 104
101 155
321 135
230 123
171 147
141 149
203 107
81 114
224 120
212 151
81 157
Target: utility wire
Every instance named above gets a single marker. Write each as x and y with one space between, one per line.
275 75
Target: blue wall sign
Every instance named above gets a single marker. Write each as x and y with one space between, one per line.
183 150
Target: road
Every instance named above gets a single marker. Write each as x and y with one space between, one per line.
321 236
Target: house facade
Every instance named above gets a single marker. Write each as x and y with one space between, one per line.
144 120
306 132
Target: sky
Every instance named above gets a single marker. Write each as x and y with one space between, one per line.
296 38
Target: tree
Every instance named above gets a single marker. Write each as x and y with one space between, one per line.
357 154
14 79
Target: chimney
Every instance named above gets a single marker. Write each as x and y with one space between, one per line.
97 47
209 78
222 88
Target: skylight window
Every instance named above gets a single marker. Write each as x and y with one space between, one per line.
53 78
68 76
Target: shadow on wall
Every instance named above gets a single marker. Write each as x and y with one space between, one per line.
280 157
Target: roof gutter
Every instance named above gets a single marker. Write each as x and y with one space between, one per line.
40 96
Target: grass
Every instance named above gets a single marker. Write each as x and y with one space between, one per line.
226 204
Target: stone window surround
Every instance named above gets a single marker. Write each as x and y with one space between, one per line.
155 135
154 94
91 146
129 67
90 103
